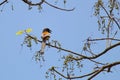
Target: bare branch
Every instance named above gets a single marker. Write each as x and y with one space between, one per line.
103 69
58 7
3 2
99 54
33 4
77 59
59 73
106 50
103 39
73 77
97 62
43 1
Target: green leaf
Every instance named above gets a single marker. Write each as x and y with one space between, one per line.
20 32
28 30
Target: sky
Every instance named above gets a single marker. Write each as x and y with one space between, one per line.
69 28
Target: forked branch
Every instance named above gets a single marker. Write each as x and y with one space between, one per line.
90 75
109 15
30 3
108 67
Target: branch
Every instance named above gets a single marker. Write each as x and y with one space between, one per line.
92 74
103 39
43 1
54 46
77 59
81 56
99 54
58 7
61 74
106 50
110 16
3 2
109 66
33 4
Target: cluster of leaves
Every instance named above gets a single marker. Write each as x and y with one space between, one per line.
71 63
28 39
56 44
20 32
105 18
97 7
50 74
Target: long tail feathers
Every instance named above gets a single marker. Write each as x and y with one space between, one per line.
42 47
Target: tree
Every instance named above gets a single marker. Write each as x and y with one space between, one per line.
108 24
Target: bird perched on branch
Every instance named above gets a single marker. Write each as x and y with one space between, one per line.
45 37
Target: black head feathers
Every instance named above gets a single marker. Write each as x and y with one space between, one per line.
47 29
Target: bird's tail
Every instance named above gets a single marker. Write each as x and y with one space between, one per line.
43 47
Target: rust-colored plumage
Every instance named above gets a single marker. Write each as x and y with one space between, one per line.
45 36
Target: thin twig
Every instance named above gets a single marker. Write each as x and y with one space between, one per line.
77 59
97 62
103 39
75 76
43 1
104 51
58 7
99 54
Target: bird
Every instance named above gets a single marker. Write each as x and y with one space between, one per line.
45 37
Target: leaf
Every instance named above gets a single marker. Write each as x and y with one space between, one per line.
28 30
20 32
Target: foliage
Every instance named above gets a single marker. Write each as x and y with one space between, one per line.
20 32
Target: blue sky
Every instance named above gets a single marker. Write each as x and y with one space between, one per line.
69 28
